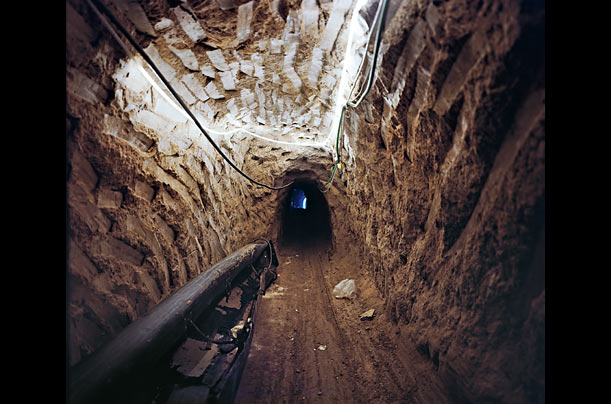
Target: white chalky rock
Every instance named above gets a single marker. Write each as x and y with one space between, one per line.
172 37
232 120
262 44
280 106
248 99
164 24
246 67
195 86
288 69
227 80
309 17
191 26
257 61
273 6
328 118
205 109
315 67
276 46
168 72
168 111
328 85
286 115
232 107
112 125
274 97
345 289
306 118
272 117
290 88
182 90
150 120
130 76
213 92
334 24
218 60
261 98
315 109
187 57
291 27
247 118
234 67
244 20
207 70
329 81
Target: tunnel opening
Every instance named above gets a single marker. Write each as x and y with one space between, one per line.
305 217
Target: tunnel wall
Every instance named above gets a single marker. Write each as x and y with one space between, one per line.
140 228
144 215
150 203
451 147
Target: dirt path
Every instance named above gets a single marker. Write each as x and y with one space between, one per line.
311 347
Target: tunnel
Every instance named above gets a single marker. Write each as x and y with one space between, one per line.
306 221
384 158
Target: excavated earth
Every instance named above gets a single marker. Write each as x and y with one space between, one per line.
438 214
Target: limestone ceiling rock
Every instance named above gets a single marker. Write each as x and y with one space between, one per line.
251 72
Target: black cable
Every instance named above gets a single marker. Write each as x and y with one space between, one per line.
146 57
207 338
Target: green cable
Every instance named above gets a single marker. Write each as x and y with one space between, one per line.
375 56
341 121
379 17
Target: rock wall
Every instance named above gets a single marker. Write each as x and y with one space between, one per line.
452 150
151 204
442 192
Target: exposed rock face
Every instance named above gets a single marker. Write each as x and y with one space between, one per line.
443 188
454 159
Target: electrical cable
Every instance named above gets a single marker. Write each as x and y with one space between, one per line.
146 57
337 162
380 13
379 17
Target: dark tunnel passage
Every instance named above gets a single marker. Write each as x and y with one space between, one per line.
305 217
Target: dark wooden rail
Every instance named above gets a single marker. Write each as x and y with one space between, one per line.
145 341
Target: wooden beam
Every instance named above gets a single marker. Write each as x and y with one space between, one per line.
145 341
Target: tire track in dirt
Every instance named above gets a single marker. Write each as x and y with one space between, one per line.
310 347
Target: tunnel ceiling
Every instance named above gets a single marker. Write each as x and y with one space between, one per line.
251 73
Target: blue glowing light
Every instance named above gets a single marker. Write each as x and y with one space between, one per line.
298 199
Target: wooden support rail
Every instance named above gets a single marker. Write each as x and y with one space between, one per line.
145 341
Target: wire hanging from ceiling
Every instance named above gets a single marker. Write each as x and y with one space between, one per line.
98 5
380 13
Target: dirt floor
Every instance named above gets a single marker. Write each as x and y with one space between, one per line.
309 346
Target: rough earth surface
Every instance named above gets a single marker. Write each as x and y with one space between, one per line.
438 213
310 346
